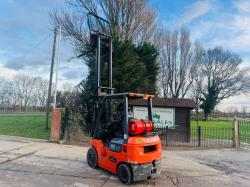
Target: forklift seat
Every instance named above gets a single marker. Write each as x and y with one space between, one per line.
115 145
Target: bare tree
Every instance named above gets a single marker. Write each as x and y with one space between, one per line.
67 87
1 93
24 86
129 19
41 90
1 81
23 92
221 77
179 60
7 95
244 111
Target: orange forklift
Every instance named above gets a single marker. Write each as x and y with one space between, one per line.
121 144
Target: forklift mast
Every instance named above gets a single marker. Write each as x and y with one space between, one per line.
100 31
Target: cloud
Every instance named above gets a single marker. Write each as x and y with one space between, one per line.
229 28
196 10
234 35
72 74
3 52
23 25
6 73
26 42
23 62
243 6
237 101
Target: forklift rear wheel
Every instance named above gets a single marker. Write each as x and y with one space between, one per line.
92 158
125 174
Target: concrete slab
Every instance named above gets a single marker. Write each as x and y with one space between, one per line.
24 162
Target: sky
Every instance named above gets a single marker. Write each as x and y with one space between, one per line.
26 35
26 38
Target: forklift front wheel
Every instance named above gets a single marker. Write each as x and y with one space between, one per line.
92 158
125 173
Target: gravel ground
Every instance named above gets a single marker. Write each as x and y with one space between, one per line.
28 162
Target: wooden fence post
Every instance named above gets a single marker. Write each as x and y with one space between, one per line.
235 133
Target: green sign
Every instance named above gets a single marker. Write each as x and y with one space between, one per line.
161 116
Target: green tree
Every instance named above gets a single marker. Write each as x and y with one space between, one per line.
135 69
148 55
209 101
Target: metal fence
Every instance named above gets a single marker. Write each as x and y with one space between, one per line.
244 133
196 137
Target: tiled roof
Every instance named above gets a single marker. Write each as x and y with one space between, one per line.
166 102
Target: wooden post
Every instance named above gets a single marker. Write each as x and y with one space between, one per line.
51 80
235 134
55 125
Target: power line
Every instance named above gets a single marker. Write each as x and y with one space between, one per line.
41 41
38 43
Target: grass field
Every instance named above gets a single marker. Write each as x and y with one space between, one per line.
25 125
219 130
32 126
220 124
212 129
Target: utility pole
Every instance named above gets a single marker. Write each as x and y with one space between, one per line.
57 61
51 79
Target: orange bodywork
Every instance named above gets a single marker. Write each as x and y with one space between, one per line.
132 152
